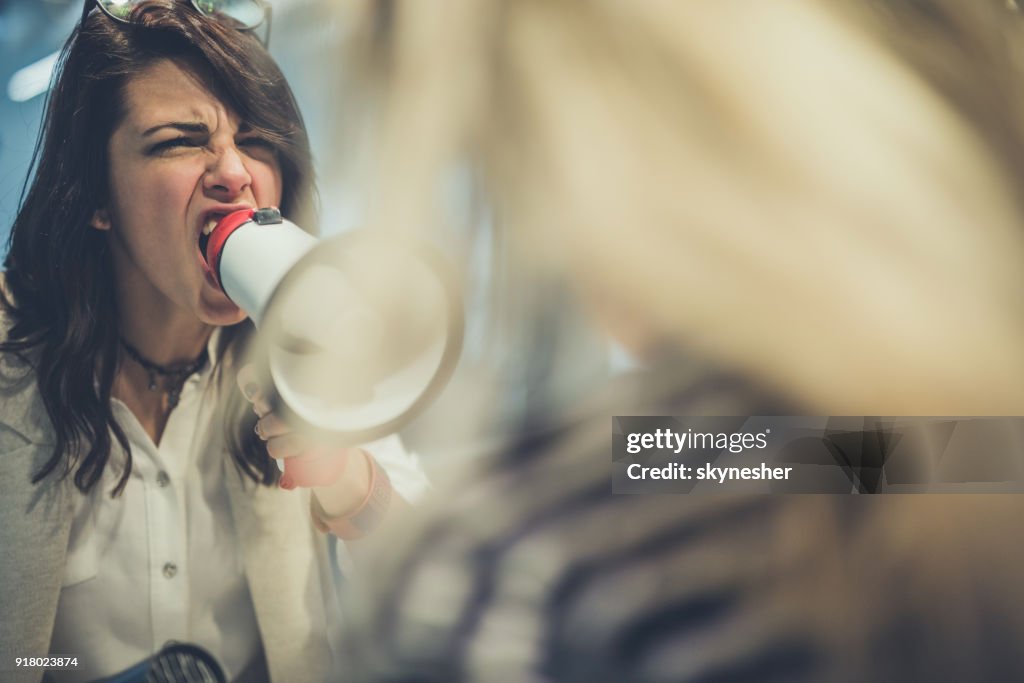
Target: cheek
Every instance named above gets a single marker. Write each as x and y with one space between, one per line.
267 185
155 195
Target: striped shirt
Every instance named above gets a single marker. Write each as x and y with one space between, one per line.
527 568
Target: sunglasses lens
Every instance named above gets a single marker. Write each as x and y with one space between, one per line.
247 13
119 9
241 14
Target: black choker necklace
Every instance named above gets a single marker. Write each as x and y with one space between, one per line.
175 375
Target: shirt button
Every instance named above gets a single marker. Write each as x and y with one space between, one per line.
170 569
163 479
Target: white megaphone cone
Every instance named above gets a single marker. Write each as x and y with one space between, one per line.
360 331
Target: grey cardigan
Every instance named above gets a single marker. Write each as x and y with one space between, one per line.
285 558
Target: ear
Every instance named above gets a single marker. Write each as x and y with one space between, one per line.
100 220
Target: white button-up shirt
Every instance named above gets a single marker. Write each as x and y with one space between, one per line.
162 561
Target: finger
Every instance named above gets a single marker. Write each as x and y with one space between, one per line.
261 407
270 425
247 383
253 392
287 446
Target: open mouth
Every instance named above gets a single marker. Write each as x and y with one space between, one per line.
207 230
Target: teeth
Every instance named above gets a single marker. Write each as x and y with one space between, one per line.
210 225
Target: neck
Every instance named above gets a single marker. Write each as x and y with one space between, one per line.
164 334
159 329
167 343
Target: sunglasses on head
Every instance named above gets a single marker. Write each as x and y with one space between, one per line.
244 15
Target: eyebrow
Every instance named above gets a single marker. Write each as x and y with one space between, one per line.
187 127
183 126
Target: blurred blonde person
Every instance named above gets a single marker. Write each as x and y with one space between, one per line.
816 196
817 200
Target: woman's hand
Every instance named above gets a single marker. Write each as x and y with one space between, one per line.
339 477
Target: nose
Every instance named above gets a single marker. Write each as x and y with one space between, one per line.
227 176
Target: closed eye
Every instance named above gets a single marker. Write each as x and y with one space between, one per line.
257 143
173 143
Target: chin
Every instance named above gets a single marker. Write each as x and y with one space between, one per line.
223 319
220 311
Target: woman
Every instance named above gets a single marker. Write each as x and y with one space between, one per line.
140 502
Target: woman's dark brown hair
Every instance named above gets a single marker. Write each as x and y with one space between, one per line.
59 276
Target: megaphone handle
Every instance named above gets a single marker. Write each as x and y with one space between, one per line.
318 465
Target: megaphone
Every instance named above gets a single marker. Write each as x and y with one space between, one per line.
360 331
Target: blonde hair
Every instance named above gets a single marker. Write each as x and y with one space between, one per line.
824 198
